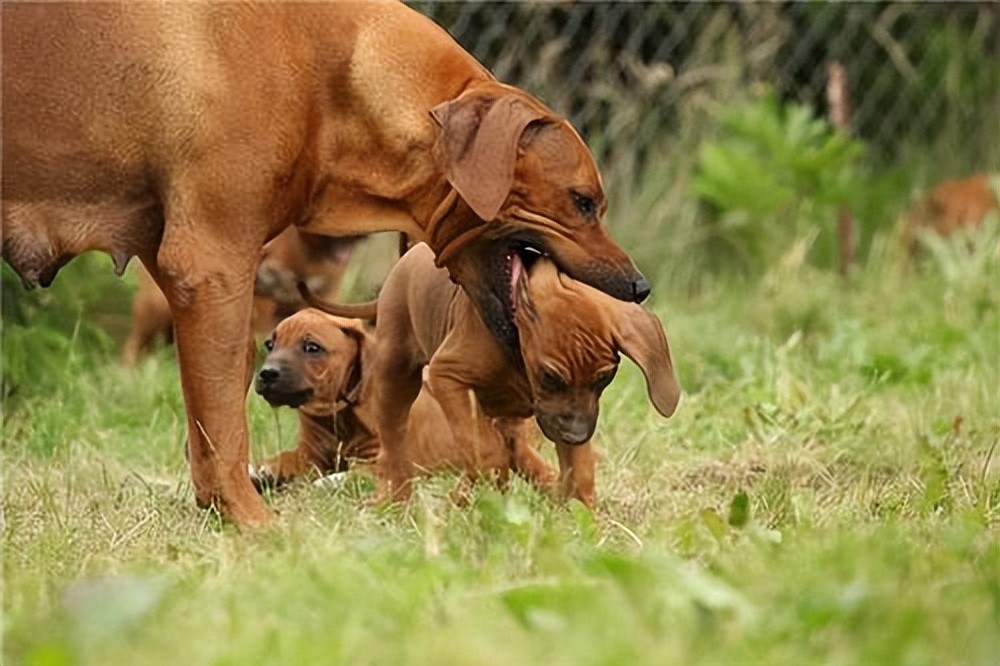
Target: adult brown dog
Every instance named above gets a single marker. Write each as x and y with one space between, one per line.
316 363
319 261
189 134
434 353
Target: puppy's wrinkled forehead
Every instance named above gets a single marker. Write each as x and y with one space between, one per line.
560 319
313 325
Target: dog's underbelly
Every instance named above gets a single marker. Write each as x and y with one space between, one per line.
40 237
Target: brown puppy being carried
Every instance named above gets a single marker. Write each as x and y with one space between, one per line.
465 395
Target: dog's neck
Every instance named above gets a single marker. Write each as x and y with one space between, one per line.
451 227
453 233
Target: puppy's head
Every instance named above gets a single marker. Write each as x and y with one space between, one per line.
571 336
314 362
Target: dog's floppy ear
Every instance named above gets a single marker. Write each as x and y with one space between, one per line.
478 146
366 350
639 335
545 276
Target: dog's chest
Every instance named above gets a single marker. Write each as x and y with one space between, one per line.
509 397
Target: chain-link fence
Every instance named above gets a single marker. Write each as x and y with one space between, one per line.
922 76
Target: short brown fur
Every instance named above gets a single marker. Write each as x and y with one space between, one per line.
292 257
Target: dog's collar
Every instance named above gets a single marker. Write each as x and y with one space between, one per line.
352 395
446 246
341 405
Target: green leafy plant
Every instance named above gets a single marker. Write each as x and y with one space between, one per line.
775 173
47 333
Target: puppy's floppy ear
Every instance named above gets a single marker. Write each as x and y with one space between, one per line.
640 336
543 276
366 350
477 148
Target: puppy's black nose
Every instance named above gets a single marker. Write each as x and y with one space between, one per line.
268 374
640 290
576 428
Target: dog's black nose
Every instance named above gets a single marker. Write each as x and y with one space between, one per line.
640 290
268 374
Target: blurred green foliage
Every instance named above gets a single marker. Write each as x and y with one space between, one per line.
776 173
48 333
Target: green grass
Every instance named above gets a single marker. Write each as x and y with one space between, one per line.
828 492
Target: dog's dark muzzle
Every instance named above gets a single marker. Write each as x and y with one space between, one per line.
626 284
280 386
640 290
568 428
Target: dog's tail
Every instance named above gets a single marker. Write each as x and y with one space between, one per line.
364 311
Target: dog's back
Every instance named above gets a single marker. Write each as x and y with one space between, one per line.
419 304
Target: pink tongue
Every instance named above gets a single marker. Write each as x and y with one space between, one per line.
516 268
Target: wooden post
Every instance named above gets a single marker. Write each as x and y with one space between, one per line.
839 102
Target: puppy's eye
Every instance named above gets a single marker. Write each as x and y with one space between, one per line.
311 347
604 379
550 382
269 344
585 205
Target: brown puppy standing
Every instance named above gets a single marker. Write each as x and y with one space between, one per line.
189 134
319 261
457 379
316 363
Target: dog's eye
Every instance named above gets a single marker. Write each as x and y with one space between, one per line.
604 379
269 344
584 204
550 382
311 347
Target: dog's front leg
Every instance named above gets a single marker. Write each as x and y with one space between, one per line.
476 444
208 281
397 385
521 436
576 472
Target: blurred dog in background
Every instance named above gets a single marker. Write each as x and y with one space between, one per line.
950 206
293 256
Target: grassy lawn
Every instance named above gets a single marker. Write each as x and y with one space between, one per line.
828 492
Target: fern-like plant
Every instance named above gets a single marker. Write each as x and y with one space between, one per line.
775 173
